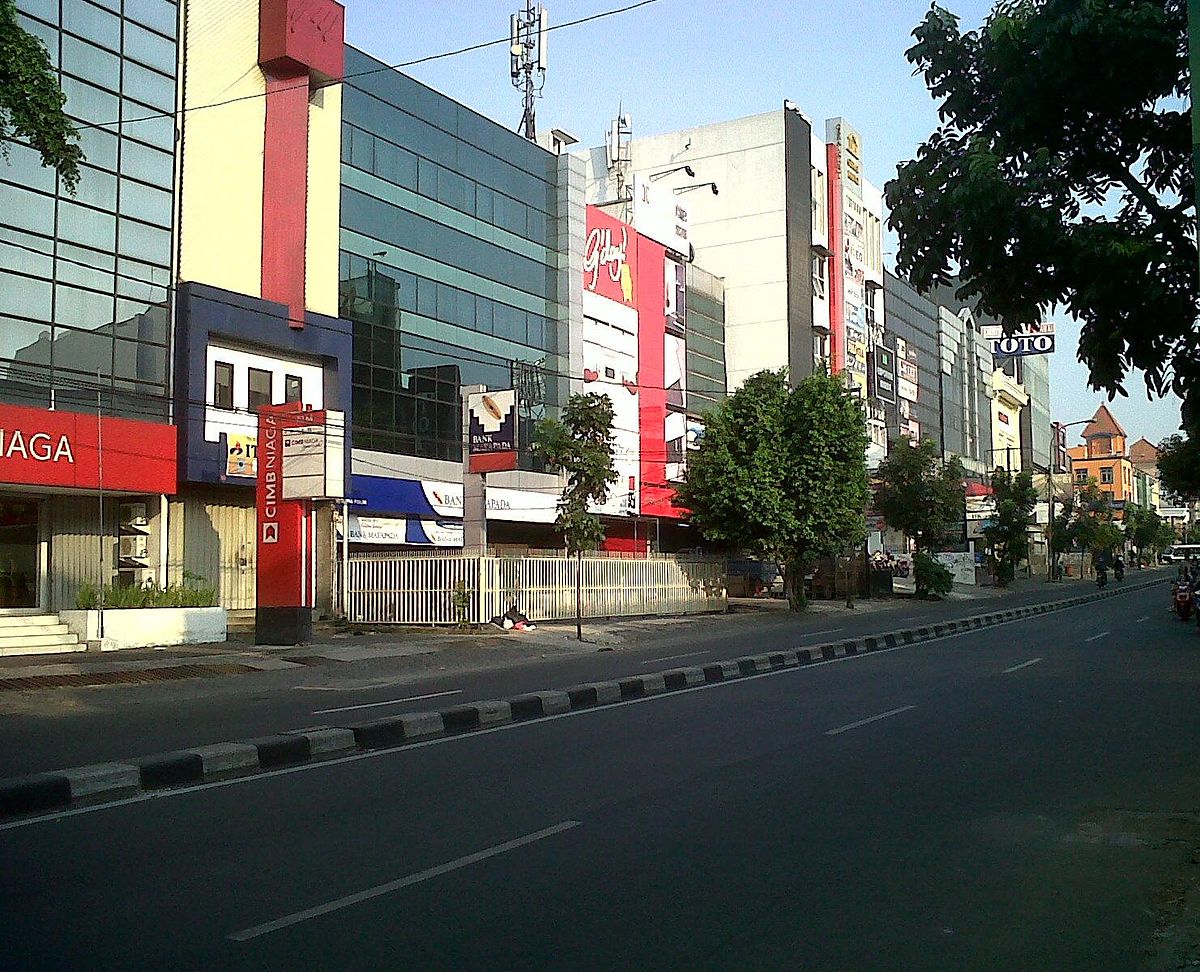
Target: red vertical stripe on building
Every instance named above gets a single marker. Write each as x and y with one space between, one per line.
285 192
652 396
837 263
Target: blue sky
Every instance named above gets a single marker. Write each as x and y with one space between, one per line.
685 62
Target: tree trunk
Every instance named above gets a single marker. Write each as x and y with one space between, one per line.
793 583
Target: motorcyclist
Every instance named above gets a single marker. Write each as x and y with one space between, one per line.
1119 568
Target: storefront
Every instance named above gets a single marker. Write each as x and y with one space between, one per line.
82 501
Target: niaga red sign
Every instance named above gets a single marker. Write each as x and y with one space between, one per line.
40 447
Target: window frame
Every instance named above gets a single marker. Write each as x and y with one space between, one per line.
287 386
218 367
1107 471
250 393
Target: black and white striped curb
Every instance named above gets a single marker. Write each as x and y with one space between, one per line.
103 782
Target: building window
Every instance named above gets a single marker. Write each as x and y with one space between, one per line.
1081 476
293 389
222 396
1106 475
818 270
259 388
869 309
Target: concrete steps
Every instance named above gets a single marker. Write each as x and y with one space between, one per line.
35 634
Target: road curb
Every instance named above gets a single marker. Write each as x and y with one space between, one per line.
79 786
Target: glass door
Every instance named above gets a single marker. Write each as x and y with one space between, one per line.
18 554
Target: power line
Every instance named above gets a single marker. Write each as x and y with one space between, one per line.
359 74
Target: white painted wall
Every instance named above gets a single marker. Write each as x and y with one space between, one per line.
148 627
219 421
739 235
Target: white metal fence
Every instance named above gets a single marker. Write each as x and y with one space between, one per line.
426 589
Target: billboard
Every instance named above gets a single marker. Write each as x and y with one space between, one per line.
659 215
492 430
609 258
881 372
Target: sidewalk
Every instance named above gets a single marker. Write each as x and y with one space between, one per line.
428 649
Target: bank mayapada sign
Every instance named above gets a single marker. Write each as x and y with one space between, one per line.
39 447
492 430
609 258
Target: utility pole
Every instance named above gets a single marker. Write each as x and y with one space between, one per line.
527 34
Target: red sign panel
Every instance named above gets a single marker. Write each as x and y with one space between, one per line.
302 35
610 258
81 451
283 541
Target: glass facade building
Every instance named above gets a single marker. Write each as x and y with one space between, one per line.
448 263
913 318
705 340
85 277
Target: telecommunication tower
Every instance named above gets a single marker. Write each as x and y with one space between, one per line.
619 154
527 32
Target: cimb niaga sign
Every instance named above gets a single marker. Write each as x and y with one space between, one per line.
79 450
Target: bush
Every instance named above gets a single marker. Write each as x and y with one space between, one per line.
195 591
934 580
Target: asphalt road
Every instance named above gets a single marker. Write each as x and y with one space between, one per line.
1008 799
56 728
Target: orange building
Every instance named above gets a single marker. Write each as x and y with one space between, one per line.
1104 458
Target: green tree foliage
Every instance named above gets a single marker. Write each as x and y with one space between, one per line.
1093 512
1062 533
581 445
1179 466
921 495
933 578
1008 536
31 102
1147 531
781 473
1061 175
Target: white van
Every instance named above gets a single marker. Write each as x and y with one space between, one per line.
1181 552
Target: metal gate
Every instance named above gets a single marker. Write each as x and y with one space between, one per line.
424 589
218 545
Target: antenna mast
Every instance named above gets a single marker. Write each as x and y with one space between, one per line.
527 33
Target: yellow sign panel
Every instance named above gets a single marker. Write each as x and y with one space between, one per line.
241 457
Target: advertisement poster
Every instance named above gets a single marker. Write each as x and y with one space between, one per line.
492 437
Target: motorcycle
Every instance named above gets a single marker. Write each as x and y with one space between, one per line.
1102 578
1183 599
1119 573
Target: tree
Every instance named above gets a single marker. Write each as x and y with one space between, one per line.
1145 529
1179 466
781 473
581 445
921 495
31 102
1062 536
1061 176
1093 527
1008 535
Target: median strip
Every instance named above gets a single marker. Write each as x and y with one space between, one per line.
79 786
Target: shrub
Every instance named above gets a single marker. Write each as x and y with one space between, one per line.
193 592
934 580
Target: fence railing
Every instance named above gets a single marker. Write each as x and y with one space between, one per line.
424 589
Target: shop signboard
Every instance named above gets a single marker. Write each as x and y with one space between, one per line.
492 430
77 450
660 215
609 258
882 373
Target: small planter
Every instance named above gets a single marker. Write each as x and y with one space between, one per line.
147 627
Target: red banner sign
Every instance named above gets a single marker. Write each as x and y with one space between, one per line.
610 258
81 451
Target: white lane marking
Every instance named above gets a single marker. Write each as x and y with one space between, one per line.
866 722
372 705
507 727
1141 619
1024 664
911 617
813 634
381 889
690 654
1097 637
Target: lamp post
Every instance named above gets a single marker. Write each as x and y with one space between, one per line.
1055 429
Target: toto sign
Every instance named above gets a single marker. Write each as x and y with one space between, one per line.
1021 345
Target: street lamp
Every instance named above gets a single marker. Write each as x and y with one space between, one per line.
687 169
1055 428
698 185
